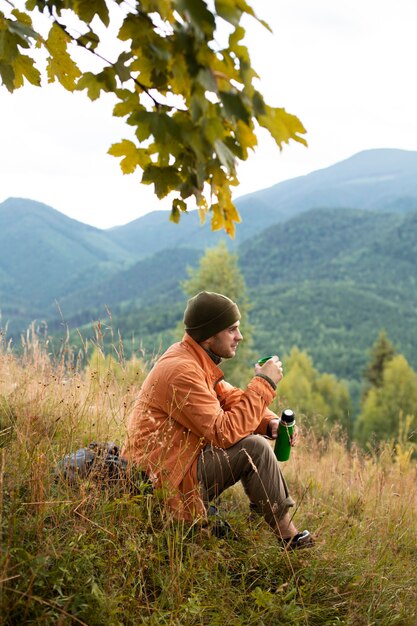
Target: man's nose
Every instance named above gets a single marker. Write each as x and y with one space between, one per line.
239 336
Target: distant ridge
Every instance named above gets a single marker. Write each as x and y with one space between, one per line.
380 179
43 254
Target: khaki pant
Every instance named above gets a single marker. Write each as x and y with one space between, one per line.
253 462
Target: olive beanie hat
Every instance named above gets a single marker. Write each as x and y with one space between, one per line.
208 313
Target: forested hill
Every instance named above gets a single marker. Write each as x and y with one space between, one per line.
332 245
330 280
327 281
44 254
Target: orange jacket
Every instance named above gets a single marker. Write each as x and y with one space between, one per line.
184 403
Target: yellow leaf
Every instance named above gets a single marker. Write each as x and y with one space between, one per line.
60 65
217 220
232 213
246 138
132 155
175 215
282 125
229 227
24 68
202 209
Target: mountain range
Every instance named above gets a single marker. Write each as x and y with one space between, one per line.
329 258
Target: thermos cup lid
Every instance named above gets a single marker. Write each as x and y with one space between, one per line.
287 416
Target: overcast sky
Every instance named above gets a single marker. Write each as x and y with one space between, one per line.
346 68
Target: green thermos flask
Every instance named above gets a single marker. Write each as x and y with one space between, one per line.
285 430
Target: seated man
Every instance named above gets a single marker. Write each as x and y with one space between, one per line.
195 434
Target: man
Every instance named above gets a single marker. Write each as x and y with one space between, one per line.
196 435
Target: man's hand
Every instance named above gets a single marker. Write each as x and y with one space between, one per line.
273 431
272 369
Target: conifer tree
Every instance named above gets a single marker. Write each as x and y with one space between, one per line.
381 353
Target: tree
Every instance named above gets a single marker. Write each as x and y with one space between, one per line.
381 353
320 398
386 405
218 271
190 100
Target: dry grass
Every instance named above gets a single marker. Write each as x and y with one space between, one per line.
93 555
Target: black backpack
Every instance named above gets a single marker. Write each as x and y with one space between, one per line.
102 462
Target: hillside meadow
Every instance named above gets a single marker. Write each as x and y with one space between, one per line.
98 553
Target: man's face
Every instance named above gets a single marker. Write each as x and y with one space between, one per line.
225 343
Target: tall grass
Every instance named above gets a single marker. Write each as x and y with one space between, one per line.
96 554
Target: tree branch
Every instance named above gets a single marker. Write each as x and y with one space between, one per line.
99 56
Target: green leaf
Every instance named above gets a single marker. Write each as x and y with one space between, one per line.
7 76
232 10
22 25
8 44
212 128
225 155
206 78
234 38
258 103
199 15
96 83
179 204
128 102
90 82
229 11
163 7
137 27
233 106
165 179
89 40
88 9
122 70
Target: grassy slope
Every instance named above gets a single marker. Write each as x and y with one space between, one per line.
90 555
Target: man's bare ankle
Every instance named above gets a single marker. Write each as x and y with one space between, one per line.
286 530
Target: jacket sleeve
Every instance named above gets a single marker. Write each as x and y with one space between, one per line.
222 421
266 418
229 395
